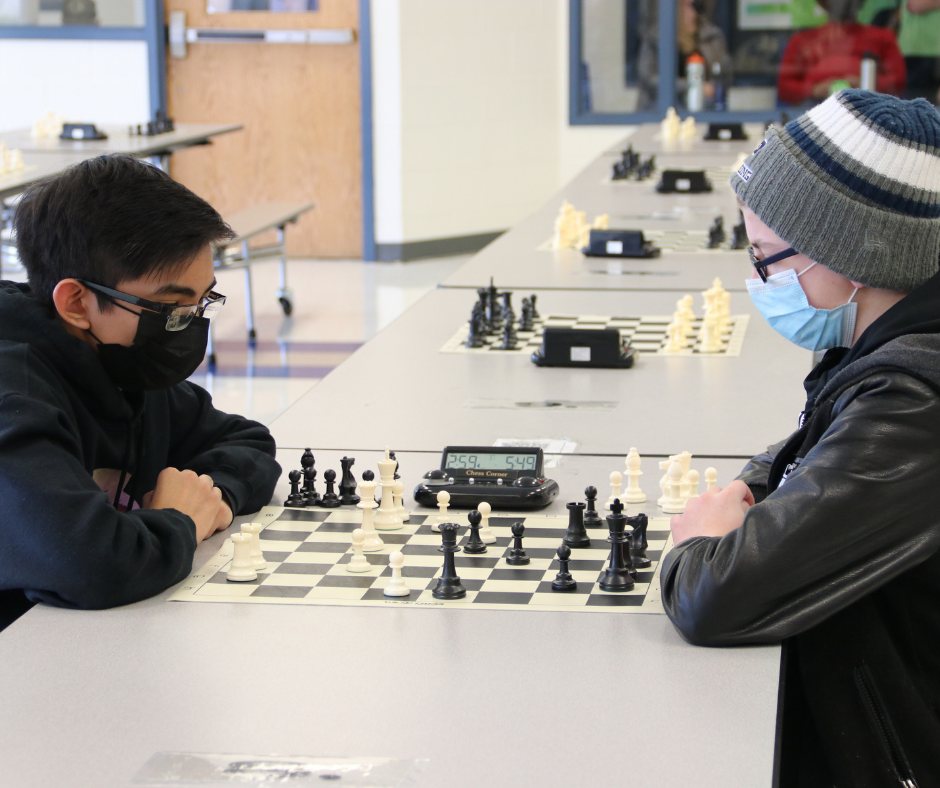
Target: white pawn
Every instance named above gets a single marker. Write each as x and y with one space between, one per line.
443 499
242 570
693 484
358 562
633 492
399 492
674 503
711 478
257 557
396 586
486 533
616 481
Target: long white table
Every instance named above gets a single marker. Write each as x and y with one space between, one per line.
647 138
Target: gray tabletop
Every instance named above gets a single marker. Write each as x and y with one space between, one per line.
37 167
647 138
493 698
398 389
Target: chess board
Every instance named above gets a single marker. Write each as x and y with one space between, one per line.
671 241
647 334
719 176
307 551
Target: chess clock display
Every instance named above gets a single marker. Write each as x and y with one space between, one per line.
505 477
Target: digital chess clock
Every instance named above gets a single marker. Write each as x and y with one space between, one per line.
505 477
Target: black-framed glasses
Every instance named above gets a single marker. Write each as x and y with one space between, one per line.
761 265
178 316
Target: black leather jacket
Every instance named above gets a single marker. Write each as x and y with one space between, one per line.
839 560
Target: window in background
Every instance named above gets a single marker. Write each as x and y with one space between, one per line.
54 13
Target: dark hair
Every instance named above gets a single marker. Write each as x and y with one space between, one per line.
108 220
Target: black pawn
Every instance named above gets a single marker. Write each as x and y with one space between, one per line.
347 485
617 576
591 518
517 556
330 499
525 321
535 311
448 584
296 497
739 239
474 545
638 543
476 337
311 496
716 233
509 337
563 580
576 536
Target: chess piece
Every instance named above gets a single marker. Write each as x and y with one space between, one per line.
711 478
525 321
591 518
257 557
693 485
739 239
674 503
296 497
386 518
367 476
347 485
716 233
311 496
616 479
638 543
576 536
474 545
398 491
633 492
517 555
396 586
535 311
486 534
443 499
664 482
509 338
687 131
563 580
330 499
392 455
494 316
242 569
475 337
358 563
448 584
617 575
372 542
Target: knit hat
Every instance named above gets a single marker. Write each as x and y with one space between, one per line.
854 184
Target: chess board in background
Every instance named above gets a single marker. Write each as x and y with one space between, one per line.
307 550
669 241
647 333
718 175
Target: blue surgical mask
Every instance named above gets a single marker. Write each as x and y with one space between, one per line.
784 305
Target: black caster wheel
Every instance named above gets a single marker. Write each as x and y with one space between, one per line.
287 305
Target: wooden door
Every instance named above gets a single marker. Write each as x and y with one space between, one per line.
299 104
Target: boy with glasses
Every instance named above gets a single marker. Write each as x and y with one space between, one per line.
829 541
112 466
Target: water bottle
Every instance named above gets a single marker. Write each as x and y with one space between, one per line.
869 75
695 74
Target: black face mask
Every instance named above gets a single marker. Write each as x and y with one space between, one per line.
158 358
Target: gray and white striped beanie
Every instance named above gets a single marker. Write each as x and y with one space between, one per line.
854 184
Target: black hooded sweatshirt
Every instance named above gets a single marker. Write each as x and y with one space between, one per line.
68 434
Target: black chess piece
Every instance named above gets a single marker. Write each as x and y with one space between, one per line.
525 319
311 496
307 460
576 536
617 576
448 584
638 543
591 518
494 315
476 338
739 239
330 499
296 497
509 338
474 545
509 315
517 555
391 456
368 476
563 580
535 311
716 233
347 485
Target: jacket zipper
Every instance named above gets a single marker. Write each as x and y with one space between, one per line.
869 694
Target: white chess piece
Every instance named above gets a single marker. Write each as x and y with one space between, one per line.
693 485
443 499
674 503
486 533
386 518
633 492
257 557
15 160
372 541
616 481
688 128
396 586
242 570
358 563
399 492
711 478
664 482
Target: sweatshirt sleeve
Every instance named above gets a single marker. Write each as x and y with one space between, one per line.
236 452
61 541
860 509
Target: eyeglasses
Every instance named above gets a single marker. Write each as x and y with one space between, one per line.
761 265
178 316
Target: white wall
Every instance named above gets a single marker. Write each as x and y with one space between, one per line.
102 82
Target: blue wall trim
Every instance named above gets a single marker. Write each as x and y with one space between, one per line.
574 61
365 90
79 32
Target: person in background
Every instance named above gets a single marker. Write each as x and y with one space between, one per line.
917 23
815 60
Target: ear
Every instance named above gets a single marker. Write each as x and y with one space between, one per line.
71 299
859 285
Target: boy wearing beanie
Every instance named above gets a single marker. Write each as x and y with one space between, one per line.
829 541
